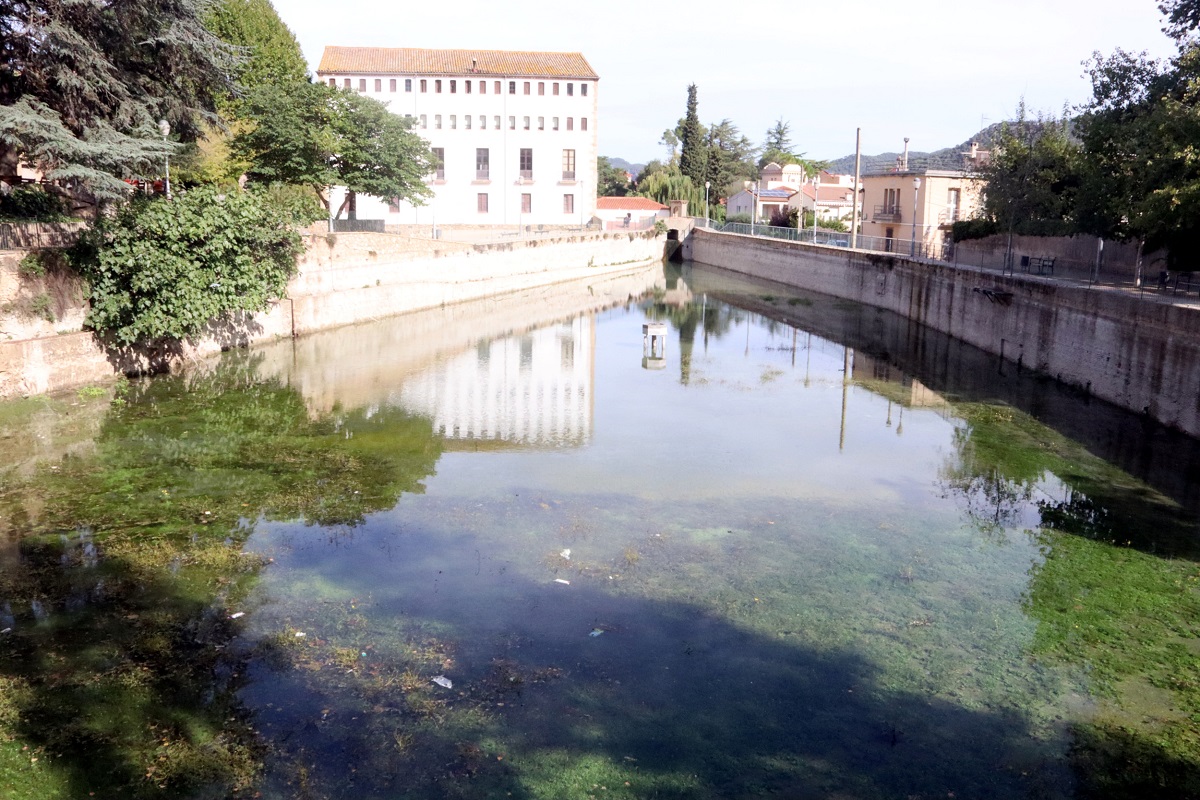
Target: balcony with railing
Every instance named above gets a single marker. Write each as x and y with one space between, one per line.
568 175
885 213
482 174
526 175
949 216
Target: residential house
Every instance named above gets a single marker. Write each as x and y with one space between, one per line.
629 212
911 210
830 196
761 203
514 133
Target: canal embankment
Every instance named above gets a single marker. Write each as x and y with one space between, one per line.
1139 353
342 279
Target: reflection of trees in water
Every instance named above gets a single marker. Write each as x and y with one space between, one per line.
715 319
116 673
994 486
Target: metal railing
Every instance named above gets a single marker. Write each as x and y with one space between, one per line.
886 213
482 174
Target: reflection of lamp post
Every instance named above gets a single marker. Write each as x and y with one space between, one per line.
913 248
164 128
706 185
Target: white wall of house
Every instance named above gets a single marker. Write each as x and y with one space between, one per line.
555 120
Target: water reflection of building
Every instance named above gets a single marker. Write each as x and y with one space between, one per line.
533 388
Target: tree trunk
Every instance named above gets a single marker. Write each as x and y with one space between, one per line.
352 200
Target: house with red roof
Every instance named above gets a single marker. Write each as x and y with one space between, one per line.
629 212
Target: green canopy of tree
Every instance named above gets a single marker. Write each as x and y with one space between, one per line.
83 85
310 134
272 54
730 159
693 154
612 181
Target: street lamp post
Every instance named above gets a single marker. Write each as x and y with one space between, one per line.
753 204
706 185
164 128
913 247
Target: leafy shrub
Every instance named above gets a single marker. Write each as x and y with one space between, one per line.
972 229
165 268
31 265
742 218
784 217
35 205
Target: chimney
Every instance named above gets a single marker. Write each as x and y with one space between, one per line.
474 65
904 158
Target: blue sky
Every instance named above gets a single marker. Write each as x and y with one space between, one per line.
930 70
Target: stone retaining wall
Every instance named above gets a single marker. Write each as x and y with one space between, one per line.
1140 354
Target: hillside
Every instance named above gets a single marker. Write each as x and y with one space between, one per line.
946 158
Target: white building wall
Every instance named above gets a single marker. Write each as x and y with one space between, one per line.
456 197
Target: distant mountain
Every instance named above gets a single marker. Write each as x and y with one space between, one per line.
946 158
620 163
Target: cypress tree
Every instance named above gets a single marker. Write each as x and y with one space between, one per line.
692 156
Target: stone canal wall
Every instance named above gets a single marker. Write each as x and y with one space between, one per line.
1142 354
342 279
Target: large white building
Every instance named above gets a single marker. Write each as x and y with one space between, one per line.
514 132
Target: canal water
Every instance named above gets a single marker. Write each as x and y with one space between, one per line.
509 549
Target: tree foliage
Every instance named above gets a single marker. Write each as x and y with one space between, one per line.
164 269
83 84
692 154
271 52
1183 17
612 181
730 159
310 134
1033 177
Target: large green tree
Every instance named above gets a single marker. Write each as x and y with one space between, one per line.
310 134
692 154
730 159
272 54
611 180
83 85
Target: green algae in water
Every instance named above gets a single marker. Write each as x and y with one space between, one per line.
963 602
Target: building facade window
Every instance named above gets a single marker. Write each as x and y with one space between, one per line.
526 87
393 205
541 123
481 202
570 123
424 85
453 87
424 122
408 84
496 122
568 204
467 121
568 165
392 85
467 87
483 122
512 123
583 123
346 83
362 84
525 122
453 121
526 164
570 89
437 122
541 88
556 88
333 82
554 123
379 84
512 87
437 86
439 163
583 89
526 204
483 167
496 87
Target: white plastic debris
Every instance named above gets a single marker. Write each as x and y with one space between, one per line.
300 634
6 630
563 582
237 615
596 632
443 681
566 554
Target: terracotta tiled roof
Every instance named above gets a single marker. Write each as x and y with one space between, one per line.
628 204
413 61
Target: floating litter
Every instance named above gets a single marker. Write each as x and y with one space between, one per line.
443 681
6 630
596 632
566 554
300 634
237 615
563 582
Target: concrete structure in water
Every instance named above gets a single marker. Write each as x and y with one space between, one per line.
515 133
